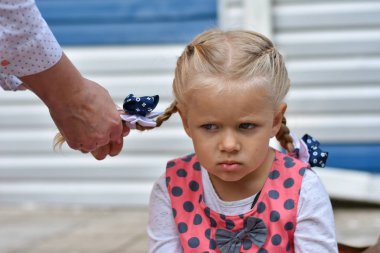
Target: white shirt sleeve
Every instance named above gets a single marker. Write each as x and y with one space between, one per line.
315 229
27 45
162 231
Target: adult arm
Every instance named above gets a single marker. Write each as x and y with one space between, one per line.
82 110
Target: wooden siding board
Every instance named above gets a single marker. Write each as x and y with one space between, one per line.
39 140
335 97
338 71
82 169
329 44
323 15
126 61
134 33
360 156
115 11
129 193
127 22
149 70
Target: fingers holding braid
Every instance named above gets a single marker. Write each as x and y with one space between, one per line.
284 138
113 148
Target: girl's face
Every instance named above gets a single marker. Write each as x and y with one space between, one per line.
231 131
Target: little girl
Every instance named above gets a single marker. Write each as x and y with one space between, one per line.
235 193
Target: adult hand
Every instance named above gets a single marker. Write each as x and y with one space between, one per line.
82 110
88 119
112 148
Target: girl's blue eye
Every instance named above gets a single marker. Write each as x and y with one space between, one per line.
209 126
246 126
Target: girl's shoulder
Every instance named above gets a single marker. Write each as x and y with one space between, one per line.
289 160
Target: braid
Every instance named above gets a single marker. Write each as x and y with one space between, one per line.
160 119
59 139
283 136
167 113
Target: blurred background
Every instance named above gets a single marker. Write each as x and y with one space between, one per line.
332 50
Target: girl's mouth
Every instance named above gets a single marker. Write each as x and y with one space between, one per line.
230 165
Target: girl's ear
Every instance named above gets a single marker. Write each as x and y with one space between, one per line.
185 123
277 121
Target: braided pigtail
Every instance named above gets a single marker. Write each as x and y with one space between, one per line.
160 119
284 138
59 139
167 113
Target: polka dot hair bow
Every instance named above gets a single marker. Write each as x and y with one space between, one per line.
307 150
254 230
139 110
140 105
318 157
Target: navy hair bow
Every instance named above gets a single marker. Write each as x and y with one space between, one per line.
254 230
140 105
318 157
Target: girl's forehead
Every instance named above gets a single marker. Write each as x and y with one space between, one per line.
248 98
231 90
223 84
229 106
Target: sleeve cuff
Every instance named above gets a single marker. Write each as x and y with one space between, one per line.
9 82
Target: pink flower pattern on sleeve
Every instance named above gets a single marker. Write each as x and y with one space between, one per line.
27 45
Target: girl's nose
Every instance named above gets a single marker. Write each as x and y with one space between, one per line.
229 143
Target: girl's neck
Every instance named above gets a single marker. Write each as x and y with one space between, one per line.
247 186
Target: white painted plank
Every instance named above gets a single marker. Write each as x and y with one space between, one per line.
339 184
138 167
329 43
37 140
121 59
110 194
333 61
354 71
308 15
334 100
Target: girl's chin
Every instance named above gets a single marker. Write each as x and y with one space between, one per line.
229 177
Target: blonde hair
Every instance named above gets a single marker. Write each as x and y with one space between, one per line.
224 59
221 59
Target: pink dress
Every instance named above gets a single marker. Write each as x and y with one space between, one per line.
268 227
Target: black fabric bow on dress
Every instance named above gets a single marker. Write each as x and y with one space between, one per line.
230 242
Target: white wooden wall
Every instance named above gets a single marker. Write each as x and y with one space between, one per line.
30 171
332 50
333 54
